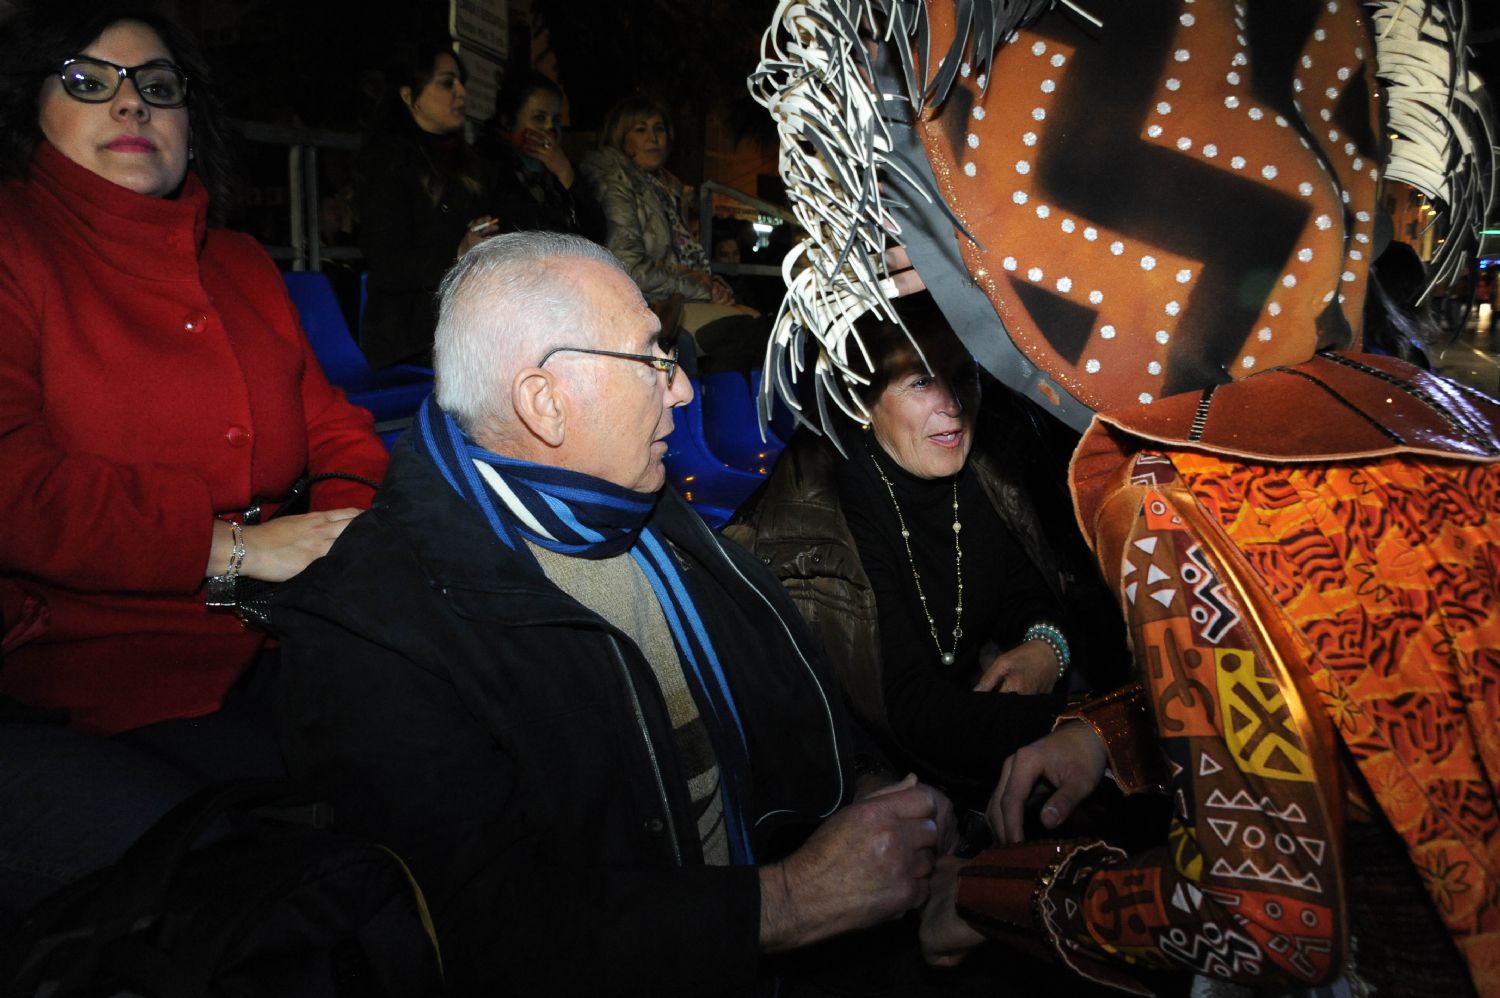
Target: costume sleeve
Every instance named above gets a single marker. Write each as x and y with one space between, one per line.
406 765
620 202
74 519
1246 885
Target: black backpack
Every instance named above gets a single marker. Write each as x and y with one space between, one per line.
278 906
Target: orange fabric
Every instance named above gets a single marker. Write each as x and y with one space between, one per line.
1391 572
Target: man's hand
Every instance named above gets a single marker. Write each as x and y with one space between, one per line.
946 937
866 864
1072 759
947 820
1030 667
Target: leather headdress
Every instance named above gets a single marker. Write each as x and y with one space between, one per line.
1108 214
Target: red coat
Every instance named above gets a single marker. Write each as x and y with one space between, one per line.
153 376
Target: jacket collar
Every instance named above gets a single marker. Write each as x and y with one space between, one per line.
139 235
460 551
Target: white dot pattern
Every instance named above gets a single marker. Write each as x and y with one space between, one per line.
1107 332
970 169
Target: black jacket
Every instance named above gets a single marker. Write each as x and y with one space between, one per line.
409 240
515 748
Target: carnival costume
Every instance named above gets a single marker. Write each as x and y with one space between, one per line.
1168 219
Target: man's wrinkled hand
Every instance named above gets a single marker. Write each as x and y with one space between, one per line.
866 864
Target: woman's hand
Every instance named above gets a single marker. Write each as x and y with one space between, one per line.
946 937
1027 668
478 231
719 292
278 550
546 150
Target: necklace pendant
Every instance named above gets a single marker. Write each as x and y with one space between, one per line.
948 658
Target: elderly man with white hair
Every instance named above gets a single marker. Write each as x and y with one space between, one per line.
595 731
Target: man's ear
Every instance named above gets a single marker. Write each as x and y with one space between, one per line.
539 406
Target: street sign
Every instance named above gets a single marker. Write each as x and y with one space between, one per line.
481 24
486 73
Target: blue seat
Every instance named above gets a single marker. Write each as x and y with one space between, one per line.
731 427
713 488
392 394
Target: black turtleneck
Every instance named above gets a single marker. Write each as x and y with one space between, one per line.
954 737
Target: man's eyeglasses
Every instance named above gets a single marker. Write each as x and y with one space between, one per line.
667 365
95 81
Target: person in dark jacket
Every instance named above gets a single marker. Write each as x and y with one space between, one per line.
919 560
423 198
595 731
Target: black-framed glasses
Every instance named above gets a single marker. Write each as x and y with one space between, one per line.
667 365
95 81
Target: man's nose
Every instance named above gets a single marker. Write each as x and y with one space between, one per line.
680 391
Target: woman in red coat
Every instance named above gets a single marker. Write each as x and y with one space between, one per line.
154 383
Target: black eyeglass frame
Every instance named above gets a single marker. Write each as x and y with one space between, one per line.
123 73
666 365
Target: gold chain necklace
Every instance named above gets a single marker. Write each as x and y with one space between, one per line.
948 657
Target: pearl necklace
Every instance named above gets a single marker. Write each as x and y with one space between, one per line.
948 657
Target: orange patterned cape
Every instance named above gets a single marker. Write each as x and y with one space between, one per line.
1278 606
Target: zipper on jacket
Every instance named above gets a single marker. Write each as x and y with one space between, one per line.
833 738
640 720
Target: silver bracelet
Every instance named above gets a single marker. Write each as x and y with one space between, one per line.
237 555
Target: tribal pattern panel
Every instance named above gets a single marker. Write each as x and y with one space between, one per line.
1100 174
1245 887
1392 573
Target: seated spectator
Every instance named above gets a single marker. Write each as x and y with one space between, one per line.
423 198
535 185
154 385
642 204
597 732
945 639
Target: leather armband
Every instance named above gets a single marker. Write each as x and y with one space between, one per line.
1122 719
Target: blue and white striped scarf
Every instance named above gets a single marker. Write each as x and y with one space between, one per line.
583 516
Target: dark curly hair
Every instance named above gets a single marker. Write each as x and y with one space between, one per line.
37 38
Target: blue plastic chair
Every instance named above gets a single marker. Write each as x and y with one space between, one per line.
731 427
712 487
392 394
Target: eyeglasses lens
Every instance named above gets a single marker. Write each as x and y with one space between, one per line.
96 82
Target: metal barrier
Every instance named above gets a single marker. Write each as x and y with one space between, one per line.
307 251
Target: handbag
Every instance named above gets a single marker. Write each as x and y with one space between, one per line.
250 599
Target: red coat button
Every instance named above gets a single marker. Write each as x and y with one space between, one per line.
237 436
195 322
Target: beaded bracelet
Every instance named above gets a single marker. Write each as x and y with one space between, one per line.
1054 639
